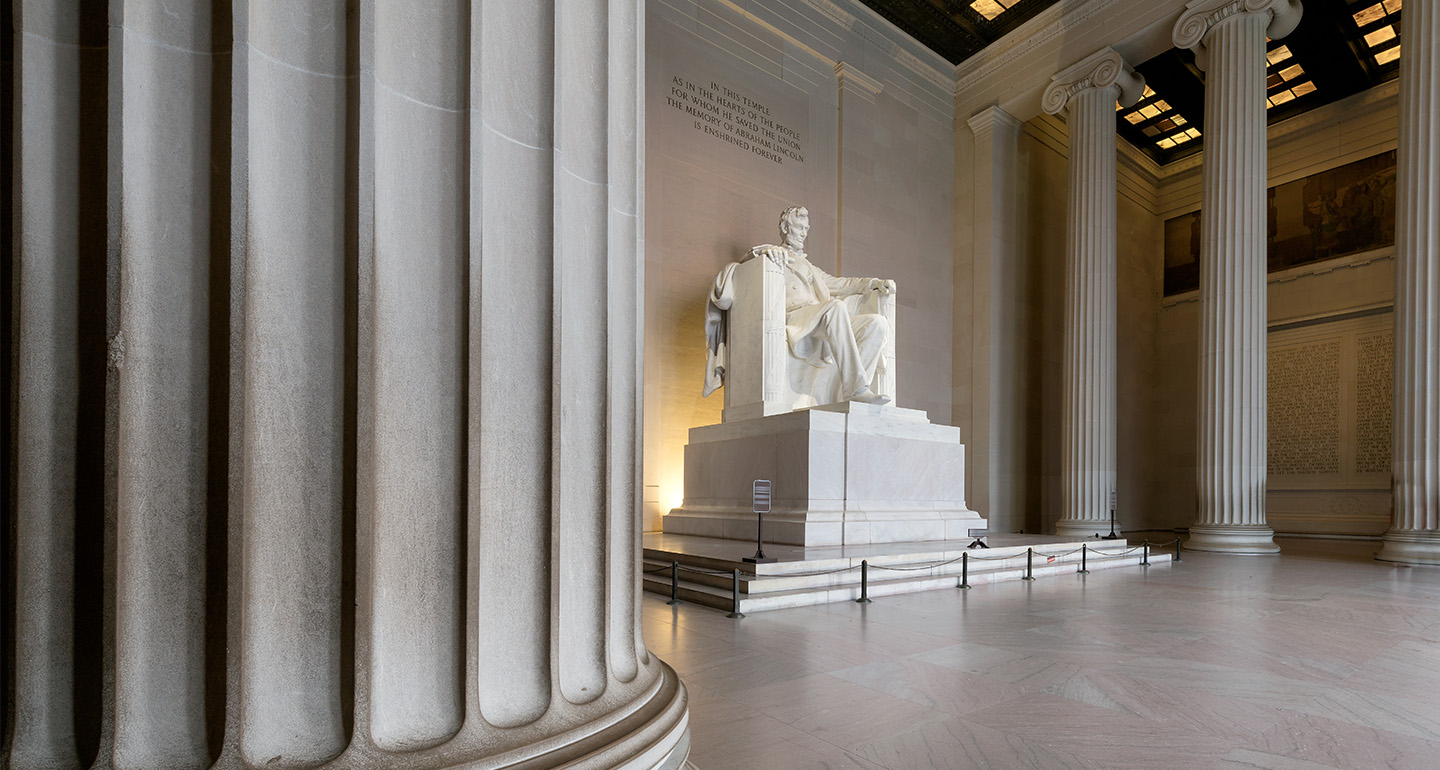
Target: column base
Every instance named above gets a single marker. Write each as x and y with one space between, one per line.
1250 540
1410 546
1083 528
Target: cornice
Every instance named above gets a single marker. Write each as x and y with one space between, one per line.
1045 26
1101 69
882 33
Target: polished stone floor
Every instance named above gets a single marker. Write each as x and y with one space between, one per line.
1317 658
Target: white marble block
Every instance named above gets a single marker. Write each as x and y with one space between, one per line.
843 474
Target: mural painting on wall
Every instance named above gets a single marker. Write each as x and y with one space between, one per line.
1342 211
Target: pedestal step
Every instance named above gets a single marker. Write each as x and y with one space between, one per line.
708 581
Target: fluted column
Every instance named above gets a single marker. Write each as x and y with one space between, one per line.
294 384
1088 91
1414 536
174 212
1228 37
374 445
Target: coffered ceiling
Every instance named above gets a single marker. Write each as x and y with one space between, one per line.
1341 47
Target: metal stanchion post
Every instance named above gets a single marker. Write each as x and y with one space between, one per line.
1084 567
674 583
1029 573
1177 548
864 582
965 570
1145 554
735 595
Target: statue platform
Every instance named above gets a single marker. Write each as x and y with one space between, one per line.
842 474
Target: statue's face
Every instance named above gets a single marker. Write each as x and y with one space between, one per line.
799 227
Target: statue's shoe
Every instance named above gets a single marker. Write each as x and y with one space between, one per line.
868 396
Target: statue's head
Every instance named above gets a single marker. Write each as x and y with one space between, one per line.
794 226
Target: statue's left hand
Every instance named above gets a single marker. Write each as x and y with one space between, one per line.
882 285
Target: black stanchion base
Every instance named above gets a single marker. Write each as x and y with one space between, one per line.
760 559
862 600
1025 578
736 615
978 544
1111 536
674 602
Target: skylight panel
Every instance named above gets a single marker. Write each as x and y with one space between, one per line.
1379 26
1285 79
1159 122
992 8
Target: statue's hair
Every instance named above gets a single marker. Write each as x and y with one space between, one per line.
790 213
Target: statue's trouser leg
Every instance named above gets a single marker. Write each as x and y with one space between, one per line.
857 343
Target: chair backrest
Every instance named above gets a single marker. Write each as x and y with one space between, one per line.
756 384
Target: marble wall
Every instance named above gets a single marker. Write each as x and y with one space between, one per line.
752 107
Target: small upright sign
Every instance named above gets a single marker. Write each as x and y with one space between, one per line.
760 496
760 504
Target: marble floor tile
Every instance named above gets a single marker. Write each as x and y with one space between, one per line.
1320 658
1343 745
929 685
838 712
959 744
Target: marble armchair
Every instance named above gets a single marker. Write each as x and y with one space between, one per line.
761 376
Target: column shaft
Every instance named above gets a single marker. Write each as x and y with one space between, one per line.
49 61
625 156
170 244
294 399
511 316
581 391
421 100
1231 457
1088 412
1415 534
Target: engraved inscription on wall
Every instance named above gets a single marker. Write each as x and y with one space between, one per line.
1304 408
1374 364
730 116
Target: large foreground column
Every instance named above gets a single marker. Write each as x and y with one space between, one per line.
377 377
1228 38
1088 91
1415 534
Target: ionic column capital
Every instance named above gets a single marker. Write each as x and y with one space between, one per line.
1103 69
1201 16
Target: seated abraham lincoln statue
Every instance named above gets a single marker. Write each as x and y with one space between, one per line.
785 334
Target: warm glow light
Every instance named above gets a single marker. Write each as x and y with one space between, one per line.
988 8
1379 36
1149 111
1281 98
1375 12
1278 55
1303 88
1388 55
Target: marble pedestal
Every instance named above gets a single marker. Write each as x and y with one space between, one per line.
843 474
